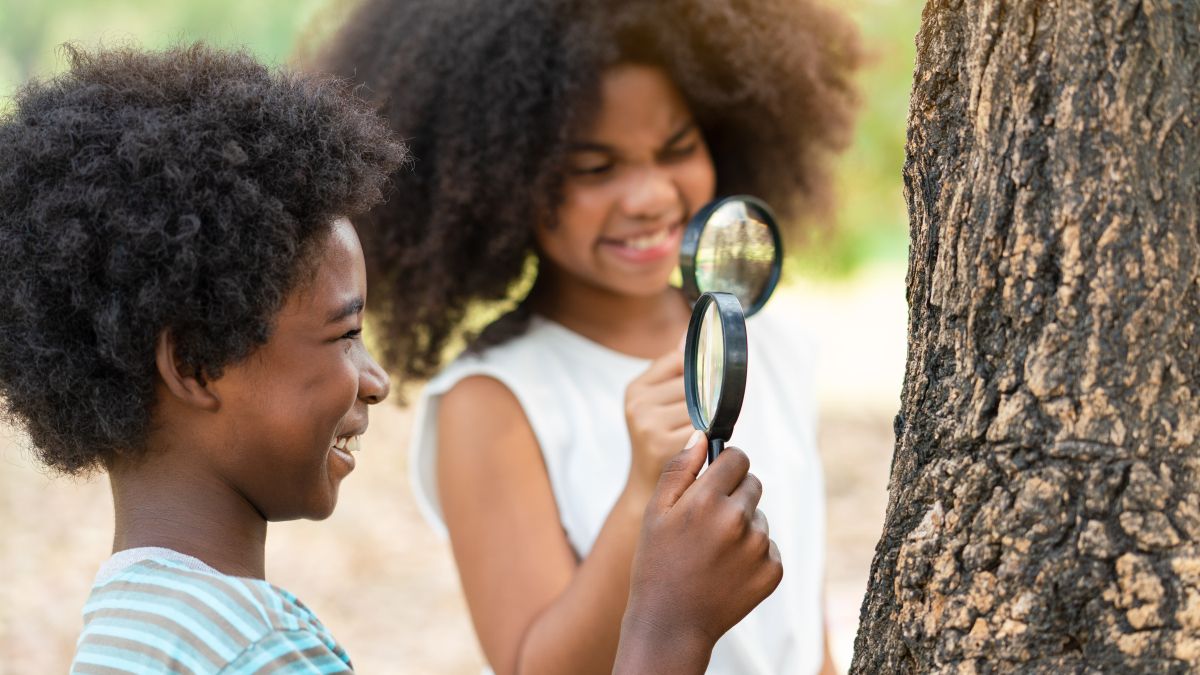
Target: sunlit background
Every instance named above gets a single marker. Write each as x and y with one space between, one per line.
374 573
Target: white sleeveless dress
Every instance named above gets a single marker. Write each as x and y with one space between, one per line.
572 391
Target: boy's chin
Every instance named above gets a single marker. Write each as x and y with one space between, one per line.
317 509
323 511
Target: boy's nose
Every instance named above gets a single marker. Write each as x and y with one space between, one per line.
374 383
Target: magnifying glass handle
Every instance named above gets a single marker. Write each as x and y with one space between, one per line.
715 446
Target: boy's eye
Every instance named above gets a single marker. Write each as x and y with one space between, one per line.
352 334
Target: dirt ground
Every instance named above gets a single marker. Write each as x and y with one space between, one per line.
379 577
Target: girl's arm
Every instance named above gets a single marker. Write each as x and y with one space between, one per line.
535 608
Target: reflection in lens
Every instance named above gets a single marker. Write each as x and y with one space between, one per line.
735 253
710 362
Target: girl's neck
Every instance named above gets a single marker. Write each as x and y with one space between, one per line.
644 326
157 504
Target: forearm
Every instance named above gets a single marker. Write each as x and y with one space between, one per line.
579 631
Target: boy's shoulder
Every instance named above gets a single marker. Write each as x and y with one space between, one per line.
159 614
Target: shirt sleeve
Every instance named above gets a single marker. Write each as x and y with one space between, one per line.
290 652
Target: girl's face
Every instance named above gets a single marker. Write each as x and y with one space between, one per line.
296 406
634 178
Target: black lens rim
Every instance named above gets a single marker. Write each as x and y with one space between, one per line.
735 353
691 244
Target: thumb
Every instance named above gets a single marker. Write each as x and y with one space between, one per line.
680 472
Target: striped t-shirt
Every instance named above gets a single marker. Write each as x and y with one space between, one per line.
169 613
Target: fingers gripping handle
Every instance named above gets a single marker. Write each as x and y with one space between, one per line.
715 446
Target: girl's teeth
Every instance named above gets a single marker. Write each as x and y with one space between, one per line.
649 241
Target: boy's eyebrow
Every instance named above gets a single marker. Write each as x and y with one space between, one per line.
349 309
588 146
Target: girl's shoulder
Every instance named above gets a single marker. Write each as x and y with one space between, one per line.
515 358
546 357
529 370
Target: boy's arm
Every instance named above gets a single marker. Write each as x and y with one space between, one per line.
704 561
647 649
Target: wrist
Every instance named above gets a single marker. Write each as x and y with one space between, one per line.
648 645
635 496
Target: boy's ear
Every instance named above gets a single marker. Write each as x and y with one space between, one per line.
182 381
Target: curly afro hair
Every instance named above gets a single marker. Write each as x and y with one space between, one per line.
140 192
487 93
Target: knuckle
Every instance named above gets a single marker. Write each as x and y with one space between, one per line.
675 464
761 522
737 458
759 543
755 483
706 502
733 522
774 573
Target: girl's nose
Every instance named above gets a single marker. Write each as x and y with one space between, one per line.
651 195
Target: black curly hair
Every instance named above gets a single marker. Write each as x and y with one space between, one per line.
141 192
487 93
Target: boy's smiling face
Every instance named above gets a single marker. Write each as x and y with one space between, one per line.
291 413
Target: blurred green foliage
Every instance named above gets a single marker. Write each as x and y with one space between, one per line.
32 30
871 222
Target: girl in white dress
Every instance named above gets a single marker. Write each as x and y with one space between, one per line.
571 142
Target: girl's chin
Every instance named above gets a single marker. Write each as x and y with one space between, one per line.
645 291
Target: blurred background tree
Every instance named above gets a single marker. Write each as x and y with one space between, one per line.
871 223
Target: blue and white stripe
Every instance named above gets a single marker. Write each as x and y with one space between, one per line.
158 616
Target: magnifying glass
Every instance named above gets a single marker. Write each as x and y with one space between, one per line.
731 257
714 374
732 245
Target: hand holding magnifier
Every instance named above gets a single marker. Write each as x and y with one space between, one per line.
731 258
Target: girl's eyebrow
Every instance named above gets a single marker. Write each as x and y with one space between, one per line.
590 146
349 309
679 135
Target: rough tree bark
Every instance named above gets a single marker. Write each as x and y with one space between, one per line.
1044 507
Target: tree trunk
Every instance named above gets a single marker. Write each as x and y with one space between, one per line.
1044 509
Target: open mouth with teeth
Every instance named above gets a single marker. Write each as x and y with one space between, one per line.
646 247
345 447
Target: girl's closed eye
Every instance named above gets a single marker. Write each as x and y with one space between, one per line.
682 144
681 151
592 170
590 163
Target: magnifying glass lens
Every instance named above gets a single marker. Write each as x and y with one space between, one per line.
714 369
736 252
710 362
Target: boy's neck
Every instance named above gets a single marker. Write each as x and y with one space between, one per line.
160 503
